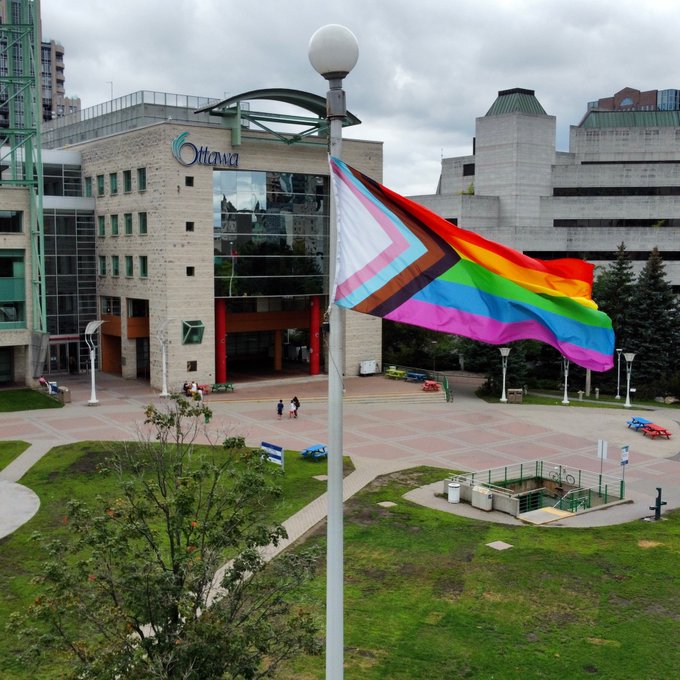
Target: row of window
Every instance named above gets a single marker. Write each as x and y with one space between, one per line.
114 223
128 261
113 183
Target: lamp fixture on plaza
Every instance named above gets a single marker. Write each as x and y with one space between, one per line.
90 330
162 337
618 373
333 52
565 365
504 361
628 356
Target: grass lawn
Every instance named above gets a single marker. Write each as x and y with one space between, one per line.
70 471
9 450
26 399
426 598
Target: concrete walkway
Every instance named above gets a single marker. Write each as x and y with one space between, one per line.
388 426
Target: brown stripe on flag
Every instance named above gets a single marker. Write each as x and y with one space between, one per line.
439 257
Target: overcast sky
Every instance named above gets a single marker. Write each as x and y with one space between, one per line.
426 68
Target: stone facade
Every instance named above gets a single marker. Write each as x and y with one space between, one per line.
619 182
180 283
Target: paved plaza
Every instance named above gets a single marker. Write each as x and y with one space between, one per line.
388 426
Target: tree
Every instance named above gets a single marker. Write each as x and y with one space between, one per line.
133 593
481 357
613 291
654 327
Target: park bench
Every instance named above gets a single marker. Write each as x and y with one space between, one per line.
315 452
395 373
637 423
654 431
222 387
415 376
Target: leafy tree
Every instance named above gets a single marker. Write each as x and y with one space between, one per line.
409 345
654 326
483 358
137 590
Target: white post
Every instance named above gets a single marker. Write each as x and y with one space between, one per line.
628 356
565 361
162 338
90 330
618 373
504 362
333 52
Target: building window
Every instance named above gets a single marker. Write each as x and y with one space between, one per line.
100 185
188 181
141 179
110 306
102 265
142 223
127 181
115 265
128 265
143 266
192 366
190 271
192 332
114 225
128 224
113 183
88 187
10 222
101 223
189 226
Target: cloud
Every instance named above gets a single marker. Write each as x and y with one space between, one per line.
426 70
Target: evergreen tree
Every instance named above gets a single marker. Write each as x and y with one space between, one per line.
653 327
613 291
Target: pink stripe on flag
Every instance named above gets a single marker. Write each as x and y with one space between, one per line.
485 329
399 244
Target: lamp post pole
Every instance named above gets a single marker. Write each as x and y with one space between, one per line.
618 373
628 356
90 330
565 363
504 362
163 339
333 52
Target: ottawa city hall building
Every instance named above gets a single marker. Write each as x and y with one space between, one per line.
208 235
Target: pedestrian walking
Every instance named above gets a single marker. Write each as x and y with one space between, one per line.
279 409
292 411
296 401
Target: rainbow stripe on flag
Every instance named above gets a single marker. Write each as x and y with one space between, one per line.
398 260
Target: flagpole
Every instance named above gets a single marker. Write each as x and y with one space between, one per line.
333 52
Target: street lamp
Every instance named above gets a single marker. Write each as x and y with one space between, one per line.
504 360
565 363
618 373
90 330
333 52
163 339
628 356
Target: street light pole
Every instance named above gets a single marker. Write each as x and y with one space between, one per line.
163 339
504 362
618 373
333 52
628 356
565 363
90 330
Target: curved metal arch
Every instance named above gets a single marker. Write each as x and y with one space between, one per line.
305 100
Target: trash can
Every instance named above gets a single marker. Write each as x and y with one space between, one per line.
454 493
64 395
